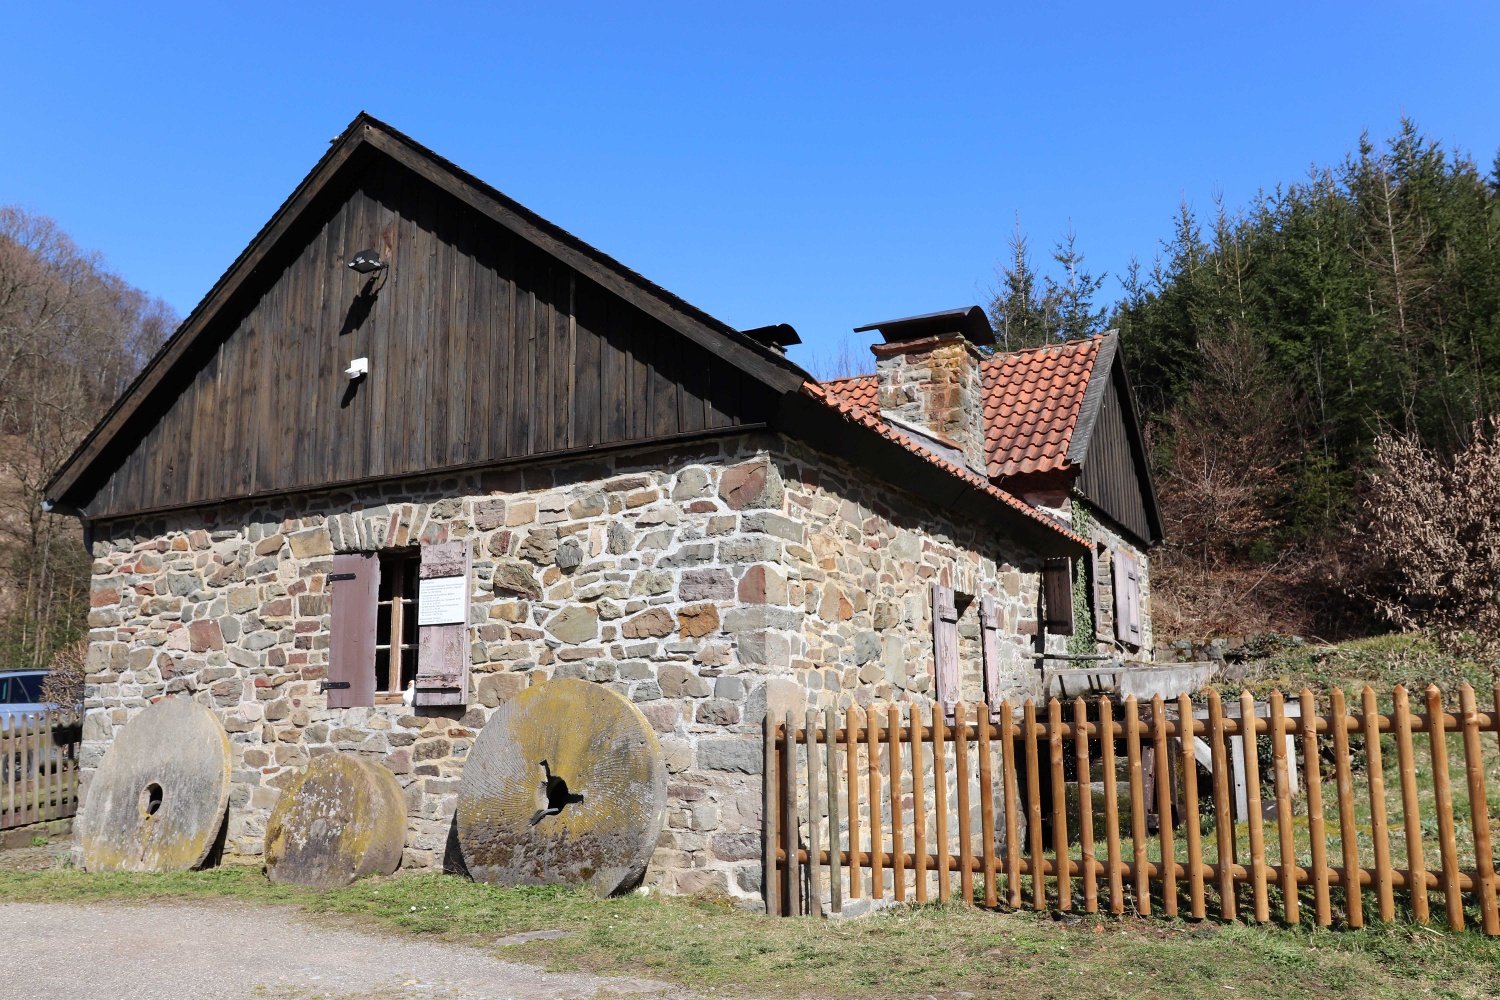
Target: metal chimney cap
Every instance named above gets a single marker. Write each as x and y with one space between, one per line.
969 321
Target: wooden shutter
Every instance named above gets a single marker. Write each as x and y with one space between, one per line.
1057 595
443 649
945 645
1127 580
355 586
989 644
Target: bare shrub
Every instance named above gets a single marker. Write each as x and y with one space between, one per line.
1431 537
64 684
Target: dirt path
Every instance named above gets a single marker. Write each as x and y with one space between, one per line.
111 951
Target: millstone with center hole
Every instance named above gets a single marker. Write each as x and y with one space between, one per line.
342 819
159 797
565 785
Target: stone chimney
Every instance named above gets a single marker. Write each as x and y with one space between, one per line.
929 380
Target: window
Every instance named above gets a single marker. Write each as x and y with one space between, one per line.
396 625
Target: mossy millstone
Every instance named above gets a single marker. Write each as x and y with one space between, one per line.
159 797
565 785
342 819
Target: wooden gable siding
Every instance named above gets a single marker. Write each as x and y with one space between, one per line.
1111 478
482 348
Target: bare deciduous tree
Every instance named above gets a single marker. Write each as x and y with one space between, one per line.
72 336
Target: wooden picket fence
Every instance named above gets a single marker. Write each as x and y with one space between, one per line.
38 768
815 826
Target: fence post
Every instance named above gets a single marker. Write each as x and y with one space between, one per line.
1379 830
1163 770
1059 805
1011 795
986 805
851 766
918 803
1111 808
1348 836
1316 833
1223 816
769 804
965 836
792 883
1186 735
1085 806
1479 812
1253 814
835 866
1286 847
1137 806
814 817
1443 795
1034 808
877 830
898 844
940 803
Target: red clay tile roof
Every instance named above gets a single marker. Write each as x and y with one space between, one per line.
857 390
1031 404
837 395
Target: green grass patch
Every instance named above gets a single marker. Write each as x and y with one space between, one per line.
915 951
1380 662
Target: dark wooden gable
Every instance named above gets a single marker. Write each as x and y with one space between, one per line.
483 345
1115 476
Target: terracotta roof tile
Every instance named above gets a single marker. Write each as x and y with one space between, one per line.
1031 404
859 390
838 394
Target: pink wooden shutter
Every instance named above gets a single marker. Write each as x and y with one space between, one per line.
1133 578
443 649
989 635
355 586
1057 594
945 645
1127 597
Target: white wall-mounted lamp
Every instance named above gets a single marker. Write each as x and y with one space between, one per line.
358 368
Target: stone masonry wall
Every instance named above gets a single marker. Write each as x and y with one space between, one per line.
1107 540
704 583
936 383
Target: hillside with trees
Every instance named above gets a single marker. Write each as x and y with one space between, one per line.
72 336
1320 369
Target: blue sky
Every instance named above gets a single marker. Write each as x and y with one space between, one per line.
822 165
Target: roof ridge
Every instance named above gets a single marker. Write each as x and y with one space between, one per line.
1076 342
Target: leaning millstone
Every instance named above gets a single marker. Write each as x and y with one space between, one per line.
159 797
340 820
566 784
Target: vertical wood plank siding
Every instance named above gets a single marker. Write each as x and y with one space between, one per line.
1109 478
482 348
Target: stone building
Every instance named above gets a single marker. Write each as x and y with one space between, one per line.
419 449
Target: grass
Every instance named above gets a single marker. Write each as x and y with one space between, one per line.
1382 662
912 952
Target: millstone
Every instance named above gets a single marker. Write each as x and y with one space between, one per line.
342 819
565 785
159 797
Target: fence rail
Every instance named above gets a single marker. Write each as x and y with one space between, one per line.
38 768
827 819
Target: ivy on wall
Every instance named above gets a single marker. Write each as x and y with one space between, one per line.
1082 640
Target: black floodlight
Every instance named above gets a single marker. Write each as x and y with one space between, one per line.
366 261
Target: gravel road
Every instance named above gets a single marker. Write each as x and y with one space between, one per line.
109 951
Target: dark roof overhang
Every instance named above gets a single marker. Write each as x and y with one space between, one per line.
970 321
